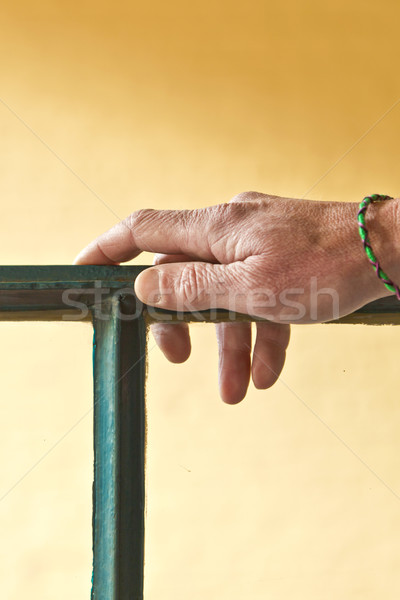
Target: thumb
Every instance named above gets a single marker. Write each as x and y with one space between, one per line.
193 286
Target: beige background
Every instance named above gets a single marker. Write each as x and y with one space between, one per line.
184 104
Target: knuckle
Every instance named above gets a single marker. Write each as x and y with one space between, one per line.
139 218
246 197
225 218
192 283
188 220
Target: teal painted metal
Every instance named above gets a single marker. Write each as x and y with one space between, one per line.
119 433
105 295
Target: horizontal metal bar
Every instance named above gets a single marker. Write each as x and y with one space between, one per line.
59 292
64 276
385 311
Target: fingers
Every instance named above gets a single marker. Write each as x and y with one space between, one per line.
269 353
172 339
167 231
234 347
193 286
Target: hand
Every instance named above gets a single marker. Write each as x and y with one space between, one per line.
286 260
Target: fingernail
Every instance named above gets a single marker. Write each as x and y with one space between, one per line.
147 286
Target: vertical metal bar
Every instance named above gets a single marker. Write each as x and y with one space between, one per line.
119 450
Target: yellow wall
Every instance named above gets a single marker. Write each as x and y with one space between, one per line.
184 104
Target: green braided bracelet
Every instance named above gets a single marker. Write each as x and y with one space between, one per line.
367 246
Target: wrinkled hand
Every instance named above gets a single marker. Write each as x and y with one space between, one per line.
286 260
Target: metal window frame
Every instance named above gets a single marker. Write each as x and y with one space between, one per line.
105 296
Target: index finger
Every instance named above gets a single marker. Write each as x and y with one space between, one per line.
164 231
